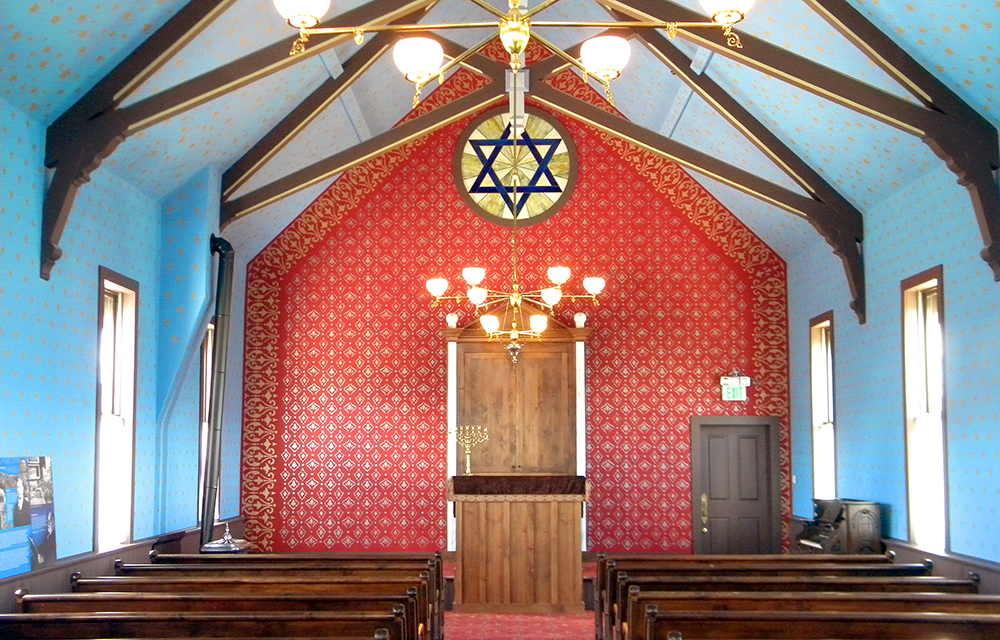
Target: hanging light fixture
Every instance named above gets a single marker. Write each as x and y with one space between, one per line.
604 61
419 60
604 57
514 326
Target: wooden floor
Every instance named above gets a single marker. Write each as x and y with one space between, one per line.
484 626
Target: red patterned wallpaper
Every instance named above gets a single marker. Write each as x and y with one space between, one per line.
345 380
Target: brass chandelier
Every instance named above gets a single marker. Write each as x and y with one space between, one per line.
420 58
513 326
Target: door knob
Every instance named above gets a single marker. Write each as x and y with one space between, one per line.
704 512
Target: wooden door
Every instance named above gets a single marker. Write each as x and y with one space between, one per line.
529 408
736 490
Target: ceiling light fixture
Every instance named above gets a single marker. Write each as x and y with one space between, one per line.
604 61
513 326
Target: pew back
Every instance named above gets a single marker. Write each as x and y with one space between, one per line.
413 629
199 624
799 625
633 627
606 561
433 561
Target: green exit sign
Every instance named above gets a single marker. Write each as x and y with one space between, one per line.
734 394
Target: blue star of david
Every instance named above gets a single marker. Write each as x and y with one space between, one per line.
535 184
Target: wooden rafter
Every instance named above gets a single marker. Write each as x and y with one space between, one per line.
373 147
967 142
78 141
841 224
958 134
305 112
75 156
138 66
346 159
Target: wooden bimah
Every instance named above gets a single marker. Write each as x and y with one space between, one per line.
518 543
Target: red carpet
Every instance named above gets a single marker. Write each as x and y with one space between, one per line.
483 626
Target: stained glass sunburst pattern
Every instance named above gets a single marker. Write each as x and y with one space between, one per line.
531 172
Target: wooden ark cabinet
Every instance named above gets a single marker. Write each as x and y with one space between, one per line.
519 515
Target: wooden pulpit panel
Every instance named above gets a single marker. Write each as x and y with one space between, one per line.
529 408
519 557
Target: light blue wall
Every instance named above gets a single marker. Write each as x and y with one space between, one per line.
48 333
49 329
924 224
190 216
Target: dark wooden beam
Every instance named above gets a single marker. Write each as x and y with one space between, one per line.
138 66
842 225
371 148
784 65
811 209
73 157
299 118
77 141
959 135
967 142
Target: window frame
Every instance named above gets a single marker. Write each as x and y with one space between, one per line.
121 281
910 288
824 320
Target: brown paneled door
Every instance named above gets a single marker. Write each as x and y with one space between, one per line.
736 491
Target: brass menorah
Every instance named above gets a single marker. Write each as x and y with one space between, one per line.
469 436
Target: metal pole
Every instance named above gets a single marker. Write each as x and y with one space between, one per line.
223 298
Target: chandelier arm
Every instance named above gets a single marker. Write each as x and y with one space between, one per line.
560 53
460 60
403 28
541 7
485 6
624 24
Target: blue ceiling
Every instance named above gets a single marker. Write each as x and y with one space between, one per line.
53 51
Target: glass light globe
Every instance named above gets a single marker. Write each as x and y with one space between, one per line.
593 285
491 324
580 319
302 13
473 275
551 296
418 58
538 323
605 56
559 275
476 295
437 286
726 11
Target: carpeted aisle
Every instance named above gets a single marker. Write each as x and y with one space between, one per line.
484 626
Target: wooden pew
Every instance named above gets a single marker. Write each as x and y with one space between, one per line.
299 624
224 602
265 585
435 566
606 561
332 568
803 625
617 598
633 627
